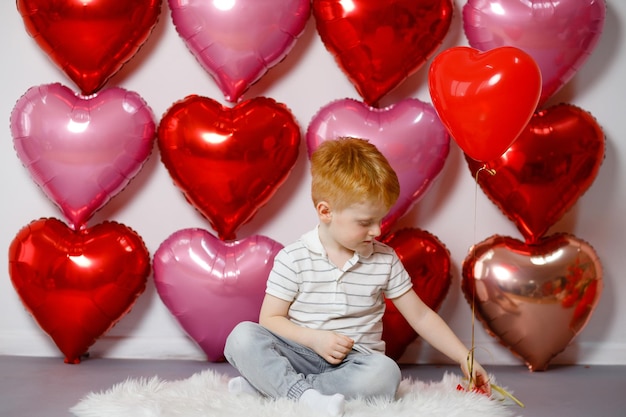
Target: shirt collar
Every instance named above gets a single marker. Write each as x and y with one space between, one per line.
312 242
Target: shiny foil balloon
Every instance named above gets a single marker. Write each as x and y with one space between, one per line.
378 44
89 40
408 133
559 35
210 286
238 41
82 150
548 168
427 261
228 161
485 99
533 298
77 284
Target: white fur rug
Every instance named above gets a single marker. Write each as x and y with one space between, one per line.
205 394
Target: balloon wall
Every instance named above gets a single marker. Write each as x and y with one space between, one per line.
151 170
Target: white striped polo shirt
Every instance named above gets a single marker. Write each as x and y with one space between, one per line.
347 300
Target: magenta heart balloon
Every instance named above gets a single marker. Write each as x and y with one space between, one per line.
210 286
237 41
558 35
409 134
81 150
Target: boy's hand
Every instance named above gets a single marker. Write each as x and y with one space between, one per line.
331 346
480 378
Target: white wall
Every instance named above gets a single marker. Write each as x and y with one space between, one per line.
164 72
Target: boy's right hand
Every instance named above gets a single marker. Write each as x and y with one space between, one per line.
331 346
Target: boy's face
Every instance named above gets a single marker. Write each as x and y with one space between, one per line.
355 227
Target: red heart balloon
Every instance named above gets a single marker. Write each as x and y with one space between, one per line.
427 261
89 40
533 298
378 44
485 99
77 284
228 162
553 162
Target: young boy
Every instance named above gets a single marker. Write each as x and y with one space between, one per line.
319 337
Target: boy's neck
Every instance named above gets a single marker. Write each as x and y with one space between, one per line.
336 253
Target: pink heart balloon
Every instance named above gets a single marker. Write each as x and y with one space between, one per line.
533 298
409 134
237 41
82 150
559 36
210 286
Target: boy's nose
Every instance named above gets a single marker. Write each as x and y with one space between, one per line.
375 231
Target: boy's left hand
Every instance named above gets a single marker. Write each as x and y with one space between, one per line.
479 378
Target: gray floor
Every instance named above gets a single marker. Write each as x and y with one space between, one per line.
34 387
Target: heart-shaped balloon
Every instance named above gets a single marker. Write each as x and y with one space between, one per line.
559 35
427 261
228 162
548 168
90 40
77 284
82 150
533 298
210 286
485 99
378 44
237 41
408 133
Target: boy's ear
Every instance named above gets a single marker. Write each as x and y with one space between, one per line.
323 211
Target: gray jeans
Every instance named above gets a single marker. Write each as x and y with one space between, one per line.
278 367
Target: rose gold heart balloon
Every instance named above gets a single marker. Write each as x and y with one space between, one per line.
533 298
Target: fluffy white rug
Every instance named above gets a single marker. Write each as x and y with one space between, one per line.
205 394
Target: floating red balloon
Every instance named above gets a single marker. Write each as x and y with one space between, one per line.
238 44
548 168
77 284
210 286
228 161
533 298
559 35
485 99
408 133
82 150
378 44
427 261
90 40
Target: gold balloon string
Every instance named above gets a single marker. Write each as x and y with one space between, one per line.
470 356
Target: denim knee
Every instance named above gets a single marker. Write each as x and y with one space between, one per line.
240 340
383 377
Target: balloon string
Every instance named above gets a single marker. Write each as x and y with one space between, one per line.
470 355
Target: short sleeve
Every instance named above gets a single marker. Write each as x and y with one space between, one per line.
282 281
399 279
